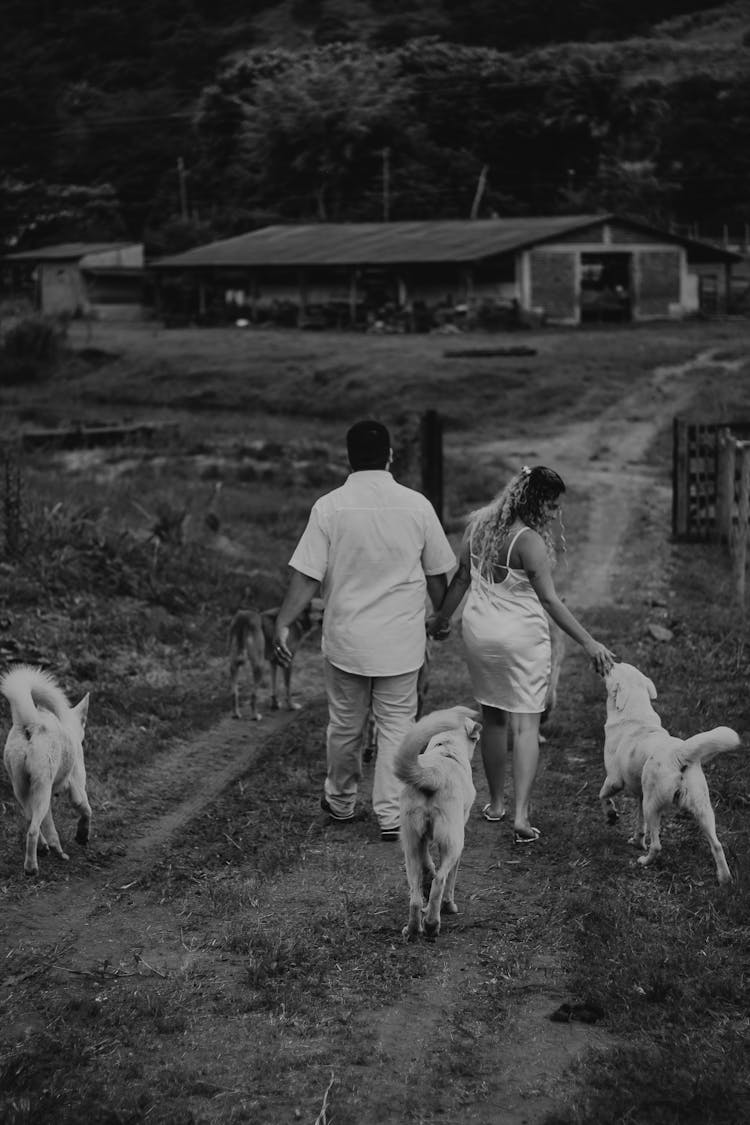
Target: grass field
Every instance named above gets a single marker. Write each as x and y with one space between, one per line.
265 979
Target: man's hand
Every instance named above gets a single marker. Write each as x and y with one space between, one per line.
437 627
280 650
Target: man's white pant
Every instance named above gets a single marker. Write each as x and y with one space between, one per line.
394 705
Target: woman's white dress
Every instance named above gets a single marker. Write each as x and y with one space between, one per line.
506 640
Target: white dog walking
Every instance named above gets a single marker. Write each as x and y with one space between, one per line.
44 756
434 762
644 760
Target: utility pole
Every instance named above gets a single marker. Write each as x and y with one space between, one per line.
182 176
482 183
386 184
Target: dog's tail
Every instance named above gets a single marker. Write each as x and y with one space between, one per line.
27 689
705 746
407 766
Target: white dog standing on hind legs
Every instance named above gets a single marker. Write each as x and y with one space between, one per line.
434 763
645 761
44 756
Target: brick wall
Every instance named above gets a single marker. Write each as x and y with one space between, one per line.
553 284
657 282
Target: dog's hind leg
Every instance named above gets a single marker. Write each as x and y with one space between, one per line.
234 676
450 854
274 696
39 824
413 863
638 838
48 833
428 868
80 802
695 798
606 793
651 826
257 668
449 898
291 706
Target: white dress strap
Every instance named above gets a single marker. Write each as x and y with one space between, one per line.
512 545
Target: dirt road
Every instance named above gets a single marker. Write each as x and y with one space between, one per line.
101 915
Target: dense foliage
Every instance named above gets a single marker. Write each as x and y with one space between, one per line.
189 120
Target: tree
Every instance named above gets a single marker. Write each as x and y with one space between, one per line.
316 131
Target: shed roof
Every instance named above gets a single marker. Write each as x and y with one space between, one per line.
352 244
66 251
456 240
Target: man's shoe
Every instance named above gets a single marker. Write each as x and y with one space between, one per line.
389 833
334 815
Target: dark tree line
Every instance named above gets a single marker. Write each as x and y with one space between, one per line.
177 120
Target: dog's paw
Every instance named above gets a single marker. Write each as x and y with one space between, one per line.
257 717
82 835
409 933
291 706
449 907
431 930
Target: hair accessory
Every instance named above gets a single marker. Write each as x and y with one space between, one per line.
525 470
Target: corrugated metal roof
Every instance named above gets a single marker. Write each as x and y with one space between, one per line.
66 251
351 244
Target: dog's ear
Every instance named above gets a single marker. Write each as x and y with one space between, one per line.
650 688
473 728
620 695
81 711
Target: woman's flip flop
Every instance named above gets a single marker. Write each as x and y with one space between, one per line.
488 815
522 838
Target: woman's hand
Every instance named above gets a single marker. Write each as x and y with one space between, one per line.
437 627
601 657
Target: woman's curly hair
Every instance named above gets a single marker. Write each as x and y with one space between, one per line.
524 498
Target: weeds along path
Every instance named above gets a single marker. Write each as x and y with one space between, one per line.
164 798
475 1015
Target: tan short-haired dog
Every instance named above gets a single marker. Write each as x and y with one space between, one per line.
665 773
434 763
251 646
44 756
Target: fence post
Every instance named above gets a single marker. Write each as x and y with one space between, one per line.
680 479
743 514
726 446
431 450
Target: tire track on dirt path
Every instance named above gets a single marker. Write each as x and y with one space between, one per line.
171 792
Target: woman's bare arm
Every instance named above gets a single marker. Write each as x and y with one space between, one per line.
535 561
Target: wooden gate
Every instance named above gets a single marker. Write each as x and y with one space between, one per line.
694 477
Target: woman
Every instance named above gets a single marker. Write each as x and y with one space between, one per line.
507 558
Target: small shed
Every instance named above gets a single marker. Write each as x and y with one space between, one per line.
563 269
101 279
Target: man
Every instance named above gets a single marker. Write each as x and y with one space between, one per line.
374 547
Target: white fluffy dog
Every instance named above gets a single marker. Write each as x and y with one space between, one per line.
44 756
645 761
434 762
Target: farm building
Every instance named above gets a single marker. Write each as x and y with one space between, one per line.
564 269
100 279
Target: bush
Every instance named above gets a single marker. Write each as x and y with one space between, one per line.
31 349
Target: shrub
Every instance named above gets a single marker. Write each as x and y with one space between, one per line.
31 349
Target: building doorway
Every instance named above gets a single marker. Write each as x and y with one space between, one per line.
606 287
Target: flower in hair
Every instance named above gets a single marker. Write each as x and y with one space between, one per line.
525 470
